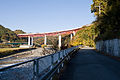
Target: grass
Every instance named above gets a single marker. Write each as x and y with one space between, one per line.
9 51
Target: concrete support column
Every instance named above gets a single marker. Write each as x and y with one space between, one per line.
59 42
45 40
74 33
32 41
71 36
29 40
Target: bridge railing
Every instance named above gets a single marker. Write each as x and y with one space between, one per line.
42 68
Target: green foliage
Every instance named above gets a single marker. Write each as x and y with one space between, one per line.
85 36
19 32
105 27
51 40
108 22
5 46
39 41
65 41
9 51
102 5
43 46
7 35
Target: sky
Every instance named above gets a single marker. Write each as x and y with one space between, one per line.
39 16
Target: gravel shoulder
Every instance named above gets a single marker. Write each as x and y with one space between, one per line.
24 56
25 71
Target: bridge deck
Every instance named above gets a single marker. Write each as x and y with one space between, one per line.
90 65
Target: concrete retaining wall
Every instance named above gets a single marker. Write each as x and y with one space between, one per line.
111 47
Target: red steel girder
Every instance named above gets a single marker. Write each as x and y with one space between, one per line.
50 33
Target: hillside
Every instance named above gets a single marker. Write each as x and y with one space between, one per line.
105 27
85 36
7 35
19 32
107 22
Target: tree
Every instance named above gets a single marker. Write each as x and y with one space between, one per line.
108 21
85 36
7 35
19 32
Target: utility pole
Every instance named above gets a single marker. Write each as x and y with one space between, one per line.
99 8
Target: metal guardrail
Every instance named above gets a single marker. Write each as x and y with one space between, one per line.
51 64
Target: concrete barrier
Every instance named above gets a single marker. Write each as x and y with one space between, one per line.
111 47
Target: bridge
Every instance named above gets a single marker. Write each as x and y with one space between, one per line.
59 33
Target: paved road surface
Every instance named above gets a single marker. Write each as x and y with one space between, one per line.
89 65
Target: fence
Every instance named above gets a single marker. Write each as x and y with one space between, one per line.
42 68
111 47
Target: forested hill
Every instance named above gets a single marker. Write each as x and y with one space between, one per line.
85 36
105 27
19 32
8 35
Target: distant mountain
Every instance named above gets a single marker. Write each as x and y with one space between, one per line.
7 35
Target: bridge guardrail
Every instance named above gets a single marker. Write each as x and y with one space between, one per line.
42 68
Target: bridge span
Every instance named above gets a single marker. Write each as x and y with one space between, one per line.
58 33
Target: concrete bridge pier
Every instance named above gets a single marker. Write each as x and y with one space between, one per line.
74 33
45 40
59 45
71 36
30 41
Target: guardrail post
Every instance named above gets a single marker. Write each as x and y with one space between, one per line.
35 69
52 61
68 56
58 57
58 70
58 61
52 58
51 78
63 54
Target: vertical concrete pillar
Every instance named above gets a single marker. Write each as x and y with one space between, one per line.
73 33
45 40
71 36
29 40
59 42
32 41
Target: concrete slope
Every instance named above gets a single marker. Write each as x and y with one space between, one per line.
90 65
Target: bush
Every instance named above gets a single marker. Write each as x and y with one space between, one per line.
43 46
5 46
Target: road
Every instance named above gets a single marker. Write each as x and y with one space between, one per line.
87 64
